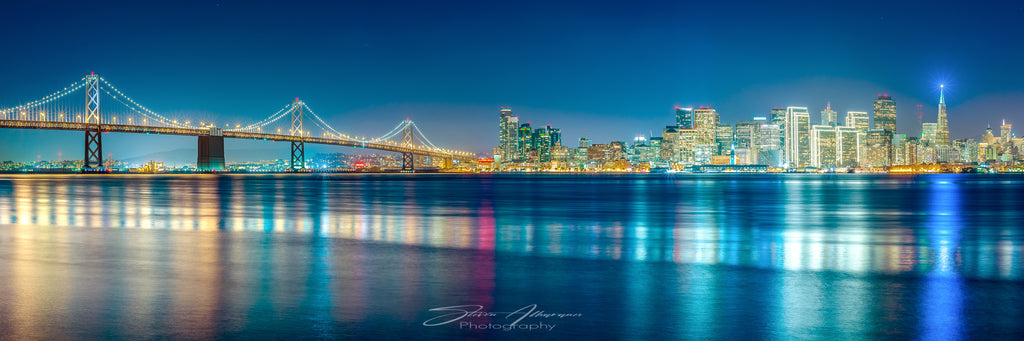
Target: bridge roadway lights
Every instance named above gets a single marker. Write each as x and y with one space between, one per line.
298 156
408 162
211 154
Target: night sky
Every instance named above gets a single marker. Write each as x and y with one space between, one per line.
607 69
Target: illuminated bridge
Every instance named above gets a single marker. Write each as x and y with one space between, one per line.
77 107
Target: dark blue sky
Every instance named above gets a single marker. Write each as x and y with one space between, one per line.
607 69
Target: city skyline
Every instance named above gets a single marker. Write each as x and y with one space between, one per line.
570 65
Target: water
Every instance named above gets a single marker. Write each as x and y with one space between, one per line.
636 257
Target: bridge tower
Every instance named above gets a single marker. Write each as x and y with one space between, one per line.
93 135
298 147
408 159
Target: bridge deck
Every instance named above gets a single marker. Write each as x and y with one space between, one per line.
134 129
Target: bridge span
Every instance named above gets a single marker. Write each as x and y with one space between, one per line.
59 111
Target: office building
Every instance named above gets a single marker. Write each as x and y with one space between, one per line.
508 136
848 147
823 146
684 117
828 116
797 139
885 113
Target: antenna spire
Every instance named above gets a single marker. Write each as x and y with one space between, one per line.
942 98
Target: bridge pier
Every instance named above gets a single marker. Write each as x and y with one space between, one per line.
211 152
298 156
93 134
93 148
449 163
408 162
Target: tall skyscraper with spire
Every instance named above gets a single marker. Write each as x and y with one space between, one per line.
942 126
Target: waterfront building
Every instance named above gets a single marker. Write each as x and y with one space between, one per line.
945 153
617 150
724 139
897 158
508 136
743 156
669 144
706 123
746 138
797 140
847 146
560 157
646 153
769 145
580 159
777 116
885 113
926 154
599 154
829 116
823 146
928 131
541 142
525 141
655 145
686 146
908 151
876 148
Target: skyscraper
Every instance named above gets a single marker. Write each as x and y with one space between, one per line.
542 144
847 146
684 117
828 116
508 137
746 134
798 151
706 126
859 120
777 117
823 146
769 145
942 127
885 113
556 136
1005 132
525 141
724 139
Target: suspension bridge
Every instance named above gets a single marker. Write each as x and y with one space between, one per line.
77 107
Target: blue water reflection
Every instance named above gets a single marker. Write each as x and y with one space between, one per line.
651 257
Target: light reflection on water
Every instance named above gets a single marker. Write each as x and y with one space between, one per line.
902 225
329 256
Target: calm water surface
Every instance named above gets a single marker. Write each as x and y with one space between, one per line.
636 257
